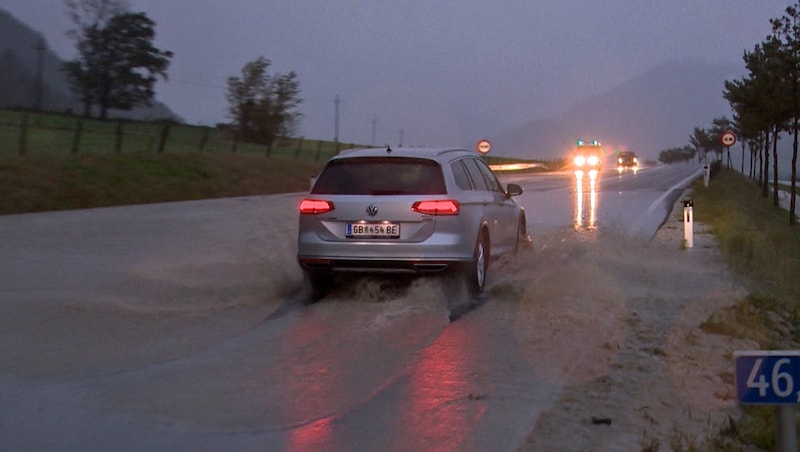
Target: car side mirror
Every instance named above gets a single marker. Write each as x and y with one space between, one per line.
513 190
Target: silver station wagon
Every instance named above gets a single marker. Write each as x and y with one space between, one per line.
407 210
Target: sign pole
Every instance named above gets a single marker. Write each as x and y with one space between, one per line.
728 139
787 428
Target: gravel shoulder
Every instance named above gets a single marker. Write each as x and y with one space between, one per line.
627 318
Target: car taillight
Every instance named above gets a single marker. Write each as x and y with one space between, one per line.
438 207
315 206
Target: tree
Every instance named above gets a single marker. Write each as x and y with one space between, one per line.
117 65
675 155
85 14
131 64
88 18
760 102
263 106
701 141
786 29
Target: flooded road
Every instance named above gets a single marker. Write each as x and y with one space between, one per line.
180 326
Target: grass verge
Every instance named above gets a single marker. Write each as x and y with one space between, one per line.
46 182
761 246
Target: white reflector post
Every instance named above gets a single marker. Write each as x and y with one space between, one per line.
688 223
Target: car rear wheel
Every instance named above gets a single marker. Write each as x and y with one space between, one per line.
477 271
524 239
317 285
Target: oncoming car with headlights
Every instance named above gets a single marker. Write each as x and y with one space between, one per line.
407 210
627 160
588 155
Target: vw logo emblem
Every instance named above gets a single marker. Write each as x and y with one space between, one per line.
372 210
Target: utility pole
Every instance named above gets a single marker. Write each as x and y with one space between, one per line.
374 126
336 102
39 89
401 139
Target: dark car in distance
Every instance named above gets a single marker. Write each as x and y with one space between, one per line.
627 161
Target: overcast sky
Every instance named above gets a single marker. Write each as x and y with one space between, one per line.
427 72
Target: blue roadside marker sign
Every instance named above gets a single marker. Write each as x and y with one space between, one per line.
768 377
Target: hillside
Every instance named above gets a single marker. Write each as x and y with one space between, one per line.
18 58
657 110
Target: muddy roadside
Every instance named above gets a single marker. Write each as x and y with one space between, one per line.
623 326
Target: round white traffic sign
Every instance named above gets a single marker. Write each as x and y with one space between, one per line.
728 138
484 146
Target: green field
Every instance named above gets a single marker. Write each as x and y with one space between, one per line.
56 162
24 133
43 182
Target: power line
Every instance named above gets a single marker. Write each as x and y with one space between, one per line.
187 82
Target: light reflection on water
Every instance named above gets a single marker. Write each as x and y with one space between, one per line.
586 193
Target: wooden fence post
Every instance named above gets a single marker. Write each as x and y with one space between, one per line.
23 135
204 139
164 134
118 141
76 139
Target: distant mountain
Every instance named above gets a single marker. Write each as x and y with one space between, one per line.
652 112
18 60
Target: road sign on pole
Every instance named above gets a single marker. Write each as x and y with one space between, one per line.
766 377
728 138
484 146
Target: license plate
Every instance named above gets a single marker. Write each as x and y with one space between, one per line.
379 230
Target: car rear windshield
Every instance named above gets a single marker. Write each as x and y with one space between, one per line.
381 176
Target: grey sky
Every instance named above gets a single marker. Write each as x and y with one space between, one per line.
444 72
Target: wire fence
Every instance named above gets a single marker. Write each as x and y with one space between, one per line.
25 133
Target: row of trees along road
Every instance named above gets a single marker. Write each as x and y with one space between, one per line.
766 102
117 67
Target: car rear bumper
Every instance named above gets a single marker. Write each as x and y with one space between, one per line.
411 266
440 252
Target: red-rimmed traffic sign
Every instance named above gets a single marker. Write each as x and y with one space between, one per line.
484 146
728 138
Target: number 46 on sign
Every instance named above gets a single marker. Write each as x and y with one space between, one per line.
768 377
